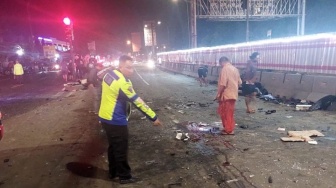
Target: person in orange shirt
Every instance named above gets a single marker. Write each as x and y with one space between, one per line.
227 94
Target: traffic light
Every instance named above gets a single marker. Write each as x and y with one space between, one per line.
68 32
67 21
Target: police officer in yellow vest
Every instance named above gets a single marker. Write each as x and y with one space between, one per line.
18 72
117 91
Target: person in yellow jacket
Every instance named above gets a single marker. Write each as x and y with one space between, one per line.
18 72
117 91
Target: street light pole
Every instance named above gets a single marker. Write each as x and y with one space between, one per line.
70 34
129 43
188 17
191 17
153 41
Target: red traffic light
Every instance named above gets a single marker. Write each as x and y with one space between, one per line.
67 21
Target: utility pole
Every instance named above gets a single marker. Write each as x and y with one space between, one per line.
247 20
193 24
153 41
303 20
69 34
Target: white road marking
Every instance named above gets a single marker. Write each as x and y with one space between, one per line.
141 77
17 85
57 95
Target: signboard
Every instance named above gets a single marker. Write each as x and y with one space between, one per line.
92 46
49 51
149 34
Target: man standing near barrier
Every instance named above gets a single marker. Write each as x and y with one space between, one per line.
202 74
227 94
117 91
249 89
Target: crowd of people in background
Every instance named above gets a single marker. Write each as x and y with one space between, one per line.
77 69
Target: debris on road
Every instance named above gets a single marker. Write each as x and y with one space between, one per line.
302 107
203 104
292 139
150 162
168 108
191 103
73 83
243 126
181 111
182 136
204 127
325 103
313 142
270 111
176 121
281 129
233 180
301 136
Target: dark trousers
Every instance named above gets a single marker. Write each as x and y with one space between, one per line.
117 137
18 79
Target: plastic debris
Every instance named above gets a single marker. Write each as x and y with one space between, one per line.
176 121
205 127
302 107
230 181
182 136
313 142
179 136
187 137
150 162
281 129
180 111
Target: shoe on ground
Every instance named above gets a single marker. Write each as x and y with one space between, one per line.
112 176
131 180
225 133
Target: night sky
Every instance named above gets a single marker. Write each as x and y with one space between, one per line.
110 22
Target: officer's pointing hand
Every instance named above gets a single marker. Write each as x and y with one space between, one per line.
157 122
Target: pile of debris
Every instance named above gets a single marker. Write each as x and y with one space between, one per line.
196 128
